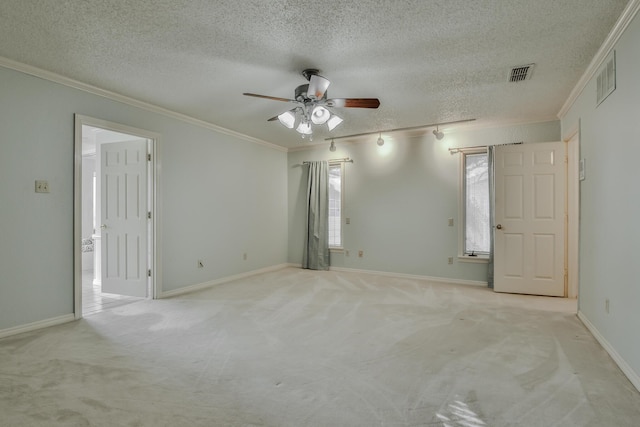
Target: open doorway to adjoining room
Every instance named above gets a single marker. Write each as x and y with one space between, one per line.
114 224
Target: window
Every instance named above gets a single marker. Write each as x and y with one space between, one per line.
335 205
476 228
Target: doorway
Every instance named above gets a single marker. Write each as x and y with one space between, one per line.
114 221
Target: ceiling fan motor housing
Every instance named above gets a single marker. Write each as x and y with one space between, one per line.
301 93
307 73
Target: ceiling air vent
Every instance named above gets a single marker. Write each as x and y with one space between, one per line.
521 73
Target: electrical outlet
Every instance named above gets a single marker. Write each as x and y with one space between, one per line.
450 222
346 252
360 254
200 264
42 186
450 260
347 220
244 256
606 305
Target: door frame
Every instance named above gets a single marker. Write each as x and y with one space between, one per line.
572 139
154 194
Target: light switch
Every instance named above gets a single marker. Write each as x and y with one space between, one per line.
450 222
347 220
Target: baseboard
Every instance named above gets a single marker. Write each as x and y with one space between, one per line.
404 276
205 285
40 324
622 364
412 276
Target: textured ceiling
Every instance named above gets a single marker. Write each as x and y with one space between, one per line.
427 61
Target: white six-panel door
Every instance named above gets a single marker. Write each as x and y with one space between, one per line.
529 251
123 212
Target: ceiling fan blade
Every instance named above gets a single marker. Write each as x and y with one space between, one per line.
354 102
273 98
317 86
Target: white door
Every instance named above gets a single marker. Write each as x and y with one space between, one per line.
123 178
529 251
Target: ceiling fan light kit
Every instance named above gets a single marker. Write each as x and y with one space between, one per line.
333 122
288 119
320 115
313 106
304 128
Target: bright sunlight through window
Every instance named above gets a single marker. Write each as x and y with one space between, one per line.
335 205
476 209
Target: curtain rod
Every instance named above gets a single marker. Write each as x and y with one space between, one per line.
455 150
400 129
343 160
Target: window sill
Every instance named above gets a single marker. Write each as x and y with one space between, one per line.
479 259
336 249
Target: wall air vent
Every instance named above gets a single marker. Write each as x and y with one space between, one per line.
521 73
606 78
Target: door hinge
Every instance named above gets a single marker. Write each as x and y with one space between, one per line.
149 273
149 157
149 215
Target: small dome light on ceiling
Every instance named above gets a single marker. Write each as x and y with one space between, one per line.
380 140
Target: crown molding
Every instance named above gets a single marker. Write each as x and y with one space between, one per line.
618 29
75 84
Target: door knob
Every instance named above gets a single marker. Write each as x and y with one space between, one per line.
103 226
499 226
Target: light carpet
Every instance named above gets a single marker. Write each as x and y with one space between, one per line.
302 348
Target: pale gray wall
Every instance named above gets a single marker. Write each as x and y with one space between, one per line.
217 203
610 202
399 198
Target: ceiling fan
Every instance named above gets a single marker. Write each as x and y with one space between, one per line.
313 106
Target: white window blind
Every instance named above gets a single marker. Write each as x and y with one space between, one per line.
335 205
476 198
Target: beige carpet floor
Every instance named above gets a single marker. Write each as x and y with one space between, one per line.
302 348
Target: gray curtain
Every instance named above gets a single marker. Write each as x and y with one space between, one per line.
316 240
492 182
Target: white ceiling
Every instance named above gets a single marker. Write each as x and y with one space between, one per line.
427 61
